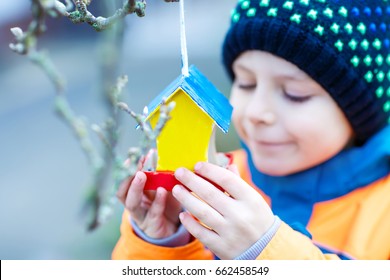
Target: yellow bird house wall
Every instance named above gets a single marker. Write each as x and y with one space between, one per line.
184 140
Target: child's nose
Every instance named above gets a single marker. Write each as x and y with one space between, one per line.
260 109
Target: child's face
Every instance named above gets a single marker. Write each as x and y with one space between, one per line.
287 120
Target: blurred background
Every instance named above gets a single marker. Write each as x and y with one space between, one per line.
44 174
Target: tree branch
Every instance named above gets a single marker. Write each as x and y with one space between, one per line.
108 162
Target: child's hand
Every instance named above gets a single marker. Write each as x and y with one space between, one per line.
236 221
155 212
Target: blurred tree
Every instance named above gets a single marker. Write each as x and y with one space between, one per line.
107 166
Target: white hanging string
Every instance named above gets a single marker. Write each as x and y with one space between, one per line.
183 41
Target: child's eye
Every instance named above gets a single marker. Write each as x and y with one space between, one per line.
246 86
297 99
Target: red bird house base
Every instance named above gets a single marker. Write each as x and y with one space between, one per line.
167 179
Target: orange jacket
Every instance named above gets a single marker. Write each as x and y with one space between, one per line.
355 225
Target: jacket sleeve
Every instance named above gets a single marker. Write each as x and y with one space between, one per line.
288 244
131 247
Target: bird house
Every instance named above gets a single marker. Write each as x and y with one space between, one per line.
184 140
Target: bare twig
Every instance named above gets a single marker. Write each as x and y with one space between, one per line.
81 14
101 23
43 61
149 134
79 127
54 8
100 199
103 205
26 42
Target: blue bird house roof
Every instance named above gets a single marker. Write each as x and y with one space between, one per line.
203 93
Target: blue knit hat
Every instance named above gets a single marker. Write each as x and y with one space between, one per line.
344 45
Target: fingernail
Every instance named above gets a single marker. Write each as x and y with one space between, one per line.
176 189
159 191
137 177
179 172
198 166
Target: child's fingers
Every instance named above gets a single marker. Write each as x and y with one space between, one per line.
123 189
231 183
203 189
141 163
125 185
198 208
206 236
157 208
135 192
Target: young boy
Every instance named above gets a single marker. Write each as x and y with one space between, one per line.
311 98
